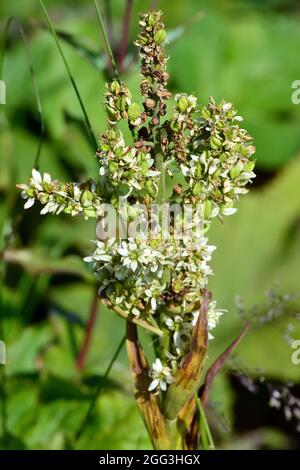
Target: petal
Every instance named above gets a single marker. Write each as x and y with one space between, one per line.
77 193
163 385
176 339
153 385
36 176
104 258
47 178
45 209
228 210
134 265
169 322
22 186
29 203
135 312
88 259
185 170
157 366
123 251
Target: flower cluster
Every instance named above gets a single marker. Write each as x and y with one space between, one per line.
126 170
182 125
160 281
153 63
119 105
156 273
219 163
56 197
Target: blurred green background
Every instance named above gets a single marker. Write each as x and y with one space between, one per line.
244 51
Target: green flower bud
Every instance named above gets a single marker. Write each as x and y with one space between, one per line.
111 113
249 166
105 147
174 126
160 36
121 103
207 209
115 87
215 143
197 188
234 172
133 212
111 134
134 111
87 198
113 166
89 211
183 104
205 113
177 285
151 19
143 40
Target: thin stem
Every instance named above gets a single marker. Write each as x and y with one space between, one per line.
82 356
206 437
98 391
85 115
107 44
125 34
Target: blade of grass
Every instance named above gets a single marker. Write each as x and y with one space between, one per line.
83 109
98 391
205 434
107 44
33 79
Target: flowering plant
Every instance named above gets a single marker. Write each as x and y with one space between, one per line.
188 156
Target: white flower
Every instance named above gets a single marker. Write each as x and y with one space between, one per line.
161 376
153 302
179 327
213 316
227 106
131 254
51 207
